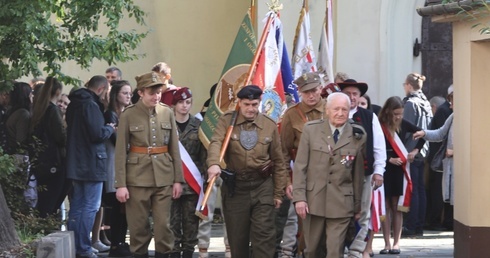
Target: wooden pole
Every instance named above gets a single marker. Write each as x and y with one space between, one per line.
226 140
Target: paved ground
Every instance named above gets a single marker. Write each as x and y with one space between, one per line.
434 244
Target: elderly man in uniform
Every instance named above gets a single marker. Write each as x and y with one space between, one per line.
254 158
311 107
148 167
328 176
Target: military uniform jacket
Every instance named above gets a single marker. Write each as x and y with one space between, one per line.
329 176
292 126
142 128
238 158
190 140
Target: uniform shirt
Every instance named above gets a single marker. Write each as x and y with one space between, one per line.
238 158
292 126
143 127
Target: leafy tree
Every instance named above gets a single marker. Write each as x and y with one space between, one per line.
47 33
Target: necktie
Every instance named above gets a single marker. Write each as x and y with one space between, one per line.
336 135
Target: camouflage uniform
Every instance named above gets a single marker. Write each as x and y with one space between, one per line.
184 222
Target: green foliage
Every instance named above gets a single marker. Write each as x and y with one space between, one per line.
13 179
51 32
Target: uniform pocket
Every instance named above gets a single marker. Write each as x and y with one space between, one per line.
166 130
132 160
136 128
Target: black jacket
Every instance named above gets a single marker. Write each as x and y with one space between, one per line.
86 153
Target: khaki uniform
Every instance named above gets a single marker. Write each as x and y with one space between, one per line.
249 214
328 176
291 128
148 177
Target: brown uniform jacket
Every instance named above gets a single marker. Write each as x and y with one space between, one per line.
331 189
292 126
239 159
138 127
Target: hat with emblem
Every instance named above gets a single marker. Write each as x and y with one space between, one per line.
308 81
329 89
148 80
362 86
250 92
181 94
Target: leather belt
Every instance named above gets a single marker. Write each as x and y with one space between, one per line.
149 150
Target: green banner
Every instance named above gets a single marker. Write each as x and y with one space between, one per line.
232 78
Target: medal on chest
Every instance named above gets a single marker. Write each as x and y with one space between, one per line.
248 139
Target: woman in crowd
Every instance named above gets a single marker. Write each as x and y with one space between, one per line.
417 110
397 176
119 98
184 222
18 118
48 162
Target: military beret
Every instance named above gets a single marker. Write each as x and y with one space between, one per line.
250 92
308 81
148 80
181 94
362 86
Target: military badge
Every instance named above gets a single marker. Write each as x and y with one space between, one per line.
347 160
248 139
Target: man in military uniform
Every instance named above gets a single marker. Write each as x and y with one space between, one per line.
328 176
148 167
254 156
311 107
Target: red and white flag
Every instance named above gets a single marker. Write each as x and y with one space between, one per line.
303 59
192 176
268 74
325 51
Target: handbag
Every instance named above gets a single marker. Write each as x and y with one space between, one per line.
436 163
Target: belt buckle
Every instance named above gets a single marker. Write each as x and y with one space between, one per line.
149 150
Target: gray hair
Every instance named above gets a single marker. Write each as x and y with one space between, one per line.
437 101
337 95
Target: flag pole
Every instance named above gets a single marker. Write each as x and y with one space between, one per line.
253 14
226 140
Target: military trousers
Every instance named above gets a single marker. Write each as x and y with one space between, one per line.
334 229
184 222
250 218
360 241
141 201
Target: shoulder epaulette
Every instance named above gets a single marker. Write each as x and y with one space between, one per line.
291 107
357 130
270 118
314 122
128 107
163 104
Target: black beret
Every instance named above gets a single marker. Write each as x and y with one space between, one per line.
250 92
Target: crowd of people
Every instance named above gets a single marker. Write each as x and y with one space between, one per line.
337 170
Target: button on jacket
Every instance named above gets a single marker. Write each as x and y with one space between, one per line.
140 128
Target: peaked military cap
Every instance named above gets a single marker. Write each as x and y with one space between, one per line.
250 92
148 80
308 81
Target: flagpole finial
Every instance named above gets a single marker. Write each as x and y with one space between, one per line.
275 6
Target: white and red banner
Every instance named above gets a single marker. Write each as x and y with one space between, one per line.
401 152
378 209
304 59
325 50
192 176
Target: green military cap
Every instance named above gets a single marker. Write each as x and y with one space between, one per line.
148 80
308 81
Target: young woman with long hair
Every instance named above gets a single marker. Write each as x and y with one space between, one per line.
48 165
397 182
119 98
